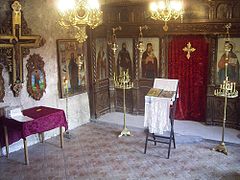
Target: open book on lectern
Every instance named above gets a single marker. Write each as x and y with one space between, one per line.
155 92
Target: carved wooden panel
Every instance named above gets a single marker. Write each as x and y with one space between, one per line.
215 112
236 12
102 97
205 17
223 11
99 73
129 100
197 10
144 86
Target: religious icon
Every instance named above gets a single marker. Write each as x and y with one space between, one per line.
71 59
124 56
124 62
149 62
233 61
101 49
73 72
36 82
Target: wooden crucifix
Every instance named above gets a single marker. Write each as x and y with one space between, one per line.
189 49
17 41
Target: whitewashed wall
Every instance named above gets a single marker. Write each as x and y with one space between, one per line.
41 16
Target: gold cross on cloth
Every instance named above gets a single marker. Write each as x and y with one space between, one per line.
189 49
16 41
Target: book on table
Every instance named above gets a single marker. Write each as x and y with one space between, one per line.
16 114
155 92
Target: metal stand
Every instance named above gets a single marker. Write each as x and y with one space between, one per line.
123 82
227 90
221 147
66 134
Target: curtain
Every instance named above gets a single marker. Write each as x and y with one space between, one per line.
192 74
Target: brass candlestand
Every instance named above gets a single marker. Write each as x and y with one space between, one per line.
67 133
123 82
226 90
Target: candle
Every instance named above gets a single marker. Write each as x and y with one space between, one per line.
226 65
234 87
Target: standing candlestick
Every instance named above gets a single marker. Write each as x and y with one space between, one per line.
227 90
67 133
123 82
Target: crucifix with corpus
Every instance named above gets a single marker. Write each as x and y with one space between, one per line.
16 41
189 49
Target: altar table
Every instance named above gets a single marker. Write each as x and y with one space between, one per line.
44 119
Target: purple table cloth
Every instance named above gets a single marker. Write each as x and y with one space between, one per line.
44 119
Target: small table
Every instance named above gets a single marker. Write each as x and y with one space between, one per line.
44 119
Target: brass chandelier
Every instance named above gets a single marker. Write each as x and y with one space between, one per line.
165 10
78 14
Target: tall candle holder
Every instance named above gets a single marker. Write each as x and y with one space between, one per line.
67 133
123 82
227 90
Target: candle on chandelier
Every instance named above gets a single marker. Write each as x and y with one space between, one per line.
226 65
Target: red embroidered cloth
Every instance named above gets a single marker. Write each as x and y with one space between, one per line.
44 119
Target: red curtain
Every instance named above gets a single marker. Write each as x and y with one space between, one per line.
192 74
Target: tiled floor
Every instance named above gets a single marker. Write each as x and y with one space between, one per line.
95 152
181 127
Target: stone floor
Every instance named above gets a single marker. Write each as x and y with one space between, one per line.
95 152
183 127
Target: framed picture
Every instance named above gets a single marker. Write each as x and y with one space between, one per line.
233 62
36 77
72 67
149 64
124 56
101 59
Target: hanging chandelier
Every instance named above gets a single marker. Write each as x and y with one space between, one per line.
140 45
78 14
113 42
165 10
